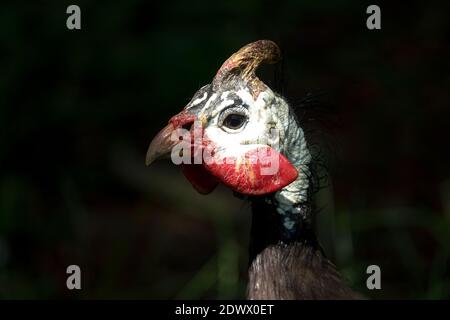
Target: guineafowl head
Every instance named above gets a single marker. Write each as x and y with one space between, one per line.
238 132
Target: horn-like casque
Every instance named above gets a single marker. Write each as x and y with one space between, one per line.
244 63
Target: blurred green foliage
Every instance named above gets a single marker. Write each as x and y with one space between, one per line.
78 109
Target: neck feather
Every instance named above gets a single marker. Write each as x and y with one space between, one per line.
272 227
289 265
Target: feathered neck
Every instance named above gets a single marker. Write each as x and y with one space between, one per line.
286 260
287 264
270 227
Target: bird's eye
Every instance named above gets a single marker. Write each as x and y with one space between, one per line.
234 121
233 118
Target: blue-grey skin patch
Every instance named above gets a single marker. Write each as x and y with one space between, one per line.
292 220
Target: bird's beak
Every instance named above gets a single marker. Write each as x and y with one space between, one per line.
162 144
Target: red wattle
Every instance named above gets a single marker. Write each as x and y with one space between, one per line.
251 173
200 179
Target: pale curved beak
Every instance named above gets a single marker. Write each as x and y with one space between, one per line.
161 145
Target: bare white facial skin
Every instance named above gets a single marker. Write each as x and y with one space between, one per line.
269 121
254 131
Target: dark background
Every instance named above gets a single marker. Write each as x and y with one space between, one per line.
79 108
